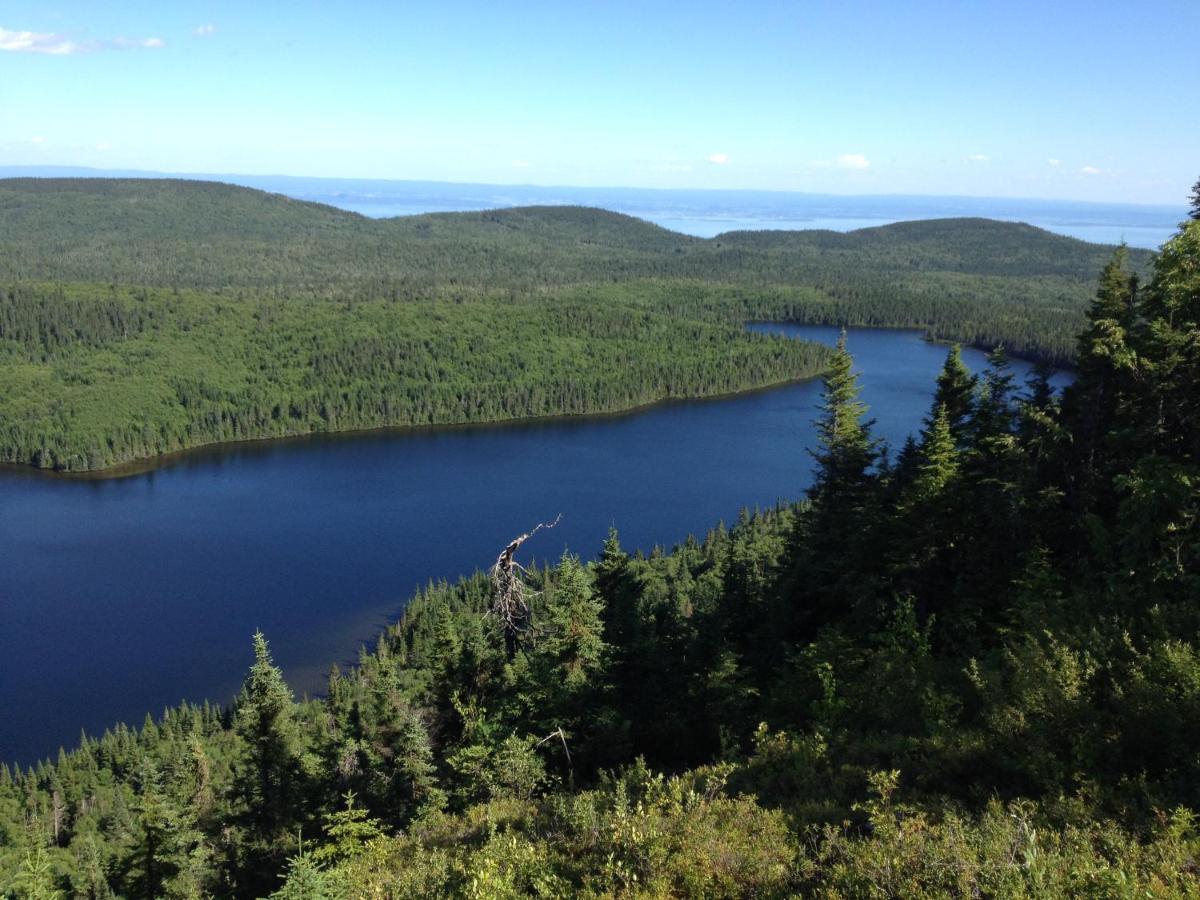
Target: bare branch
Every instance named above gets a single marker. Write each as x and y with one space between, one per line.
510 604
562 736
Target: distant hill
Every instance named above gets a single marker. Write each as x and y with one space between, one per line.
143 316
205 234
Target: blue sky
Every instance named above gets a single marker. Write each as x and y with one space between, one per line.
1088 100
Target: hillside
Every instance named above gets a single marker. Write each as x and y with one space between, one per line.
139 317
973 671
204 234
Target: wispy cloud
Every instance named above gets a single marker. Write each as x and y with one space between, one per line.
38 42
37 139
124 43
978 157
852 161
206 30
104 145
521 164
56 44
673 167
1054 162
1090 170
718 159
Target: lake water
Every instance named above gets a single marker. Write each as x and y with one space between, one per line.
122 596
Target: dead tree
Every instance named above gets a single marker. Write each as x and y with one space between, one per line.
510 603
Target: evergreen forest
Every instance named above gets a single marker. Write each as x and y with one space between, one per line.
142 317
969 667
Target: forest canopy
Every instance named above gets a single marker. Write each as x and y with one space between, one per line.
141 317
971 669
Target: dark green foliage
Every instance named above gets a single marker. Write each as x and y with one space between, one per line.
955 392
977 673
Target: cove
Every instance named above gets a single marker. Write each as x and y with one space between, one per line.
123 596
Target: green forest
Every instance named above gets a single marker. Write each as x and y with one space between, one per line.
970 668
143 317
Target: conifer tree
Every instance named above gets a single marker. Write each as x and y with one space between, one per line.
265 720
347 832
1159 496
573 641
845 448
938 457
1094 405
840 518
955 390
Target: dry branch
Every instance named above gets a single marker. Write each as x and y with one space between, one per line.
510 604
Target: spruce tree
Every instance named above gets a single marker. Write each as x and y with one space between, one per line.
1158 496
938 457
828 574
265 720
1094 405
573 641
845 448
955 390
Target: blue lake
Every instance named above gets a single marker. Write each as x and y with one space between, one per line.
125 595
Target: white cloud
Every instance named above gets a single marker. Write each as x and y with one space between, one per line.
521 164
718 159
1053 162
1090 170
205 30
852 161
53 44
978 157
38 139
104 145
124 43
673 167
38 42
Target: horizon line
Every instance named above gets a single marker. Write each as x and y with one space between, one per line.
216 176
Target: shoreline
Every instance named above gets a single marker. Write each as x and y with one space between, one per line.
147 465
151 464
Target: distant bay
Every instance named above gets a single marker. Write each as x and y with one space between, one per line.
702 213
709 213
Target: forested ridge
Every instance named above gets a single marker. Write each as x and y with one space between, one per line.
967 668
140 317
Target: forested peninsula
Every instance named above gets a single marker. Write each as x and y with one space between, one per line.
969 669
141 317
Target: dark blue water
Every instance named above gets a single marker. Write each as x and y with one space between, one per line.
123 596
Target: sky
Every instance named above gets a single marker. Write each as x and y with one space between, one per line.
1071 99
